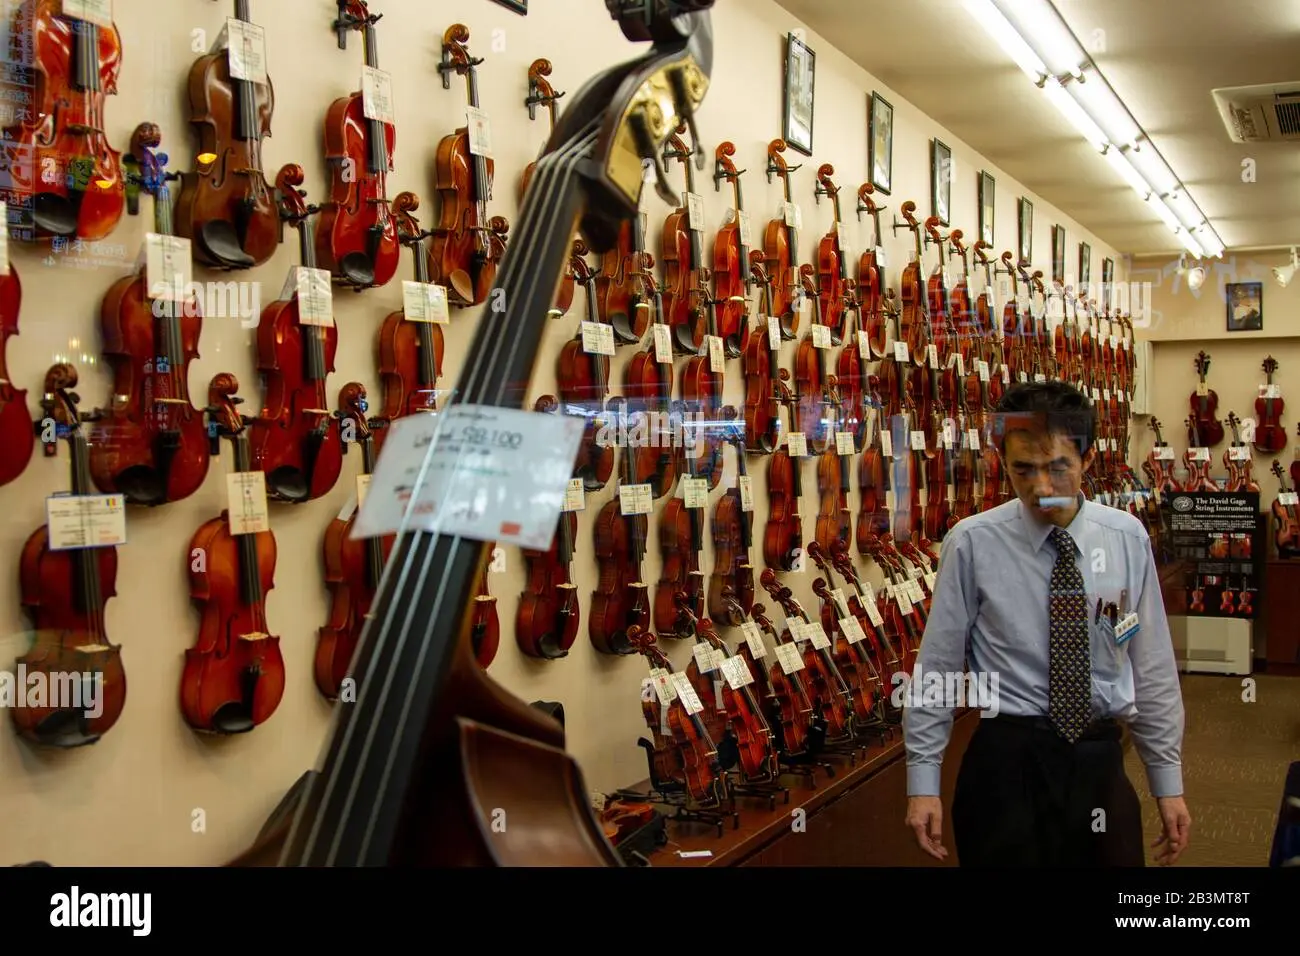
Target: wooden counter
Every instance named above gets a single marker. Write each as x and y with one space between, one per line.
853 819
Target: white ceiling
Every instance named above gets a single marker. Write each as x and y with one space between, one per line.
1162 58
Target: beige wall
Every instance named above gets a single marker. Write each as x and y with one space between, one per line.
131 799
1183 323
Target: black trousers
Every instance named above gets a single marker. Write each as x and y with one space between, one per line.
1026 797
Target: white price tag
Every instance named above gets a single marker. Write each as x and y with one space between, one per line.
744 227
930 578
635 499
842 237
597 338
1271 391
973 438
773 332
695 211
1006 375
246 502
983 369
663 344
864 344
1202 388
85 521
377 95
1200 454
575 496
1287 498
246 51
882 260
873 612
425 302
1040 377
796 444
754 639
904 601
746 486
686 693
886 443
1164 452
98 12
793 215
363 486
789 658
853 632
663 685
315 296
918 440
717 360
914 591
844 443
932 354
737 672
821 336
900 351
1239 453
168 268
705 659
695 492
492 474
814 632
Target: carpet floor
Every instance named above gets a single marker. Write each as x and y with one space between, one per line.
1235 757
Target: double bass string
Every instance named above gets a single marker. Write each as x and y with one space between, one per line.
487 355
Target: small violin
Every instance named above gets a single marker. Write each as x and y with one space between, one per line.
58 153
65 592
357 241
226 206
234 674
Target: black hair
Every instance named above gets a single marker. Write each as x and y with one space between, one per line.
1055 407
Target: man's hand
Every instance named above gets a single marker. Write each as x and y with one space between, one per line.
925 817
1176 823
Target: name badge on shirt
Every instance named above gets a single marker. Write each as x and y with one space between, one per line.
1126 628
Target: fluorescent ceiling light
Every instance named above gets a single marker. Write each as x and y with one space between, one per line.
1106 108
1184 208
1147 161
1121 165
1210 241
1074 113
1045 31
1012 43
1164 212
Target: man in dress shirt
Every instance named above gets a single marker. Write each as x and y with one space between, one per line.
1042 783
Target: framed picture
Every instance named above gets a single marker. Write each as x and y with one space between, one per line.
519 6
940 180
1107 280
1058 254
1026 231
881 146
1245 306
1085 264
800 74
988 191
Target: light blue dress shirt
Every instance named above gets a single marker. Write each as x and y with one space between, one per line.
990 616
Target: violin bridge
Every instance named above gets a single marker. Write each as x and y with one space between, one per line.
255 636
93 648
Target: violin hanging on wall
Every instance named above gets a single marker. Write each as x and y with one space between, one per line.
226 208
16 435
467 245
151 444
59 154
295 439
65 588
234 674
357 241
353 566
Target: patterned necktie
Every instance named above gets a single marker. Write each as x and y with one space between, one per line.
1070 670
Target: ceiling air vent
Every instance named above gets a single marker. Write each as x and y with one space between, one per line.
1254 114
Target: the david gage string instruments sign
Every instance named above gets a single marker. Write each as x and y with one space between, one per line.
1216 534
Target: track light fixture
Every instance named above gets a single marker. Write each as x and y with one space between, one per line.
1286 273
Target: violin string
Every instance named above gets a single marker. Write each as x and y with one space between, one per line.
485 358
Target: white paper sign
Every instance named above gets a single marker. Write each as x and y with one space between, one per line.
480 132
737 672
85 521
754 639
168 267
246 50
489 473
377 95
246 502
425 302
98 12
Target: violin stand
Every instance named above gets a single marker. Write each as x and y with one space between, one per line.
672 793
842 748
767 790
806 765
